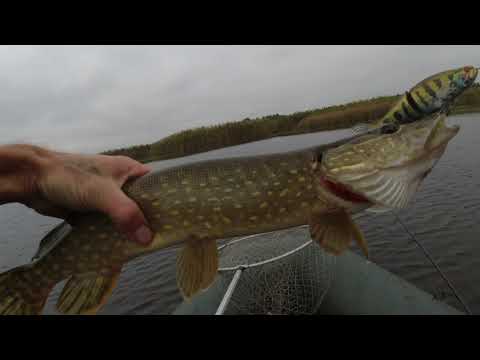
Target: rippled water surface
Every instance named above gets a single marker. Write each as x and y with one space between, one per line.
444 218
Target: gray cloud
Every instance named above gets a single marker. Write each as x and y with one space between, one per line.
93 98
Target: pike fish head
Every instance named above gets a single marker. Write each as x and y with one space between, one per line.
387 168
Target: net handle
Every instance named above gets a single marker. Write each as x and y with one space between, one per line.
228 294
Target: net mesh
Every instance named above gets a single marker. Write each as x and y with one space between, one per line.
286 274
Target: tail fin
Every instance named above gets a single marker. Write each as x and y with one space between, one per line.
20 293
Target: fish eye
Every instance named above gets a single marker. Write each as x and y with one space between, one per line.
389 128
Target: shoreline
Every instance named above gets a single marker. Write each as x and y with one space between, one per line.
203 139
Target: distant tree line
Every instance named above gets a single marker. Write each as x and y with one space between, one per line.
193 141
203 139
135 152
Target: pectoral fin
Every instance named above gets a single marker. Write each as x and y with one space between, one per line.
334 232
197 266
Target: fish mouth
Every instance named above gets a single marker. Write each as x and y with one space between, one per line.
343 191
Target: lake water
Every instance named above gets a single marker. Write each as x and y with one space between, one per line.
444 217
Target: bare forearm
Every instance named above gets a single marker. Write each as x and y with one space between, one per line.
20 165
56 183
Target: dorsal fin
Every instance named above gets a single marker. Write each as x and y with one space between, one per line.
51 239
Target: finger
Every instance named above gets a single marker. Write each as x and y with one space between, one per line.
138 170
126 168
127 216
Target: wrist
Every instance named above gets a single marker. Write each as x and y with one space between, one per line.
20 167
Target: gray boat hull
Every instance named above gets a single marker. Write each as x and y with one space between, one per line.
359 287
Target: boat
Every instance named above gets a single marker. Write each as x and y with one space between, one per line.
349 284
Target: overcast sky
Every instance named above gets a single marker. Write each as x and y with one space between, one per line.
94 98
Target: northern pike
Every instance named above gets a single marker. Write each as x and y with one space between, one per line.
197 204
433 94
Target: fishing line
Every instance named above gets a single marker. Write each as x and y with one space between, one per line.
427 255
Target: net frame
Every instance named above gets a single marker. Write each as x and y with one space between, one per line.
264 268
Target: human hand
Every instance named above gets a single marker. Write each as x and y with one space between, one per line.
55 184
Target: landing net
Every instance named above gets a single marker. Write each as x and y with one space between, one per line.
276 273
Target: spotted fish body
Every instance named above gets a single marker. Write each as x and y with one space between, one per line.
433 94
207 200
195 205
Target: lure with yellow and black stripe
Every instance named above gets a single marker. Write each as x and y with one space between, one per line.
433 94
